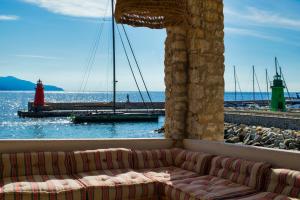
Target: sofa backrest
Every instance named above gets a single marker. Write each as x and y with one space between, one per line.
34 163
193 161
239 171
284 181
143 159
101 159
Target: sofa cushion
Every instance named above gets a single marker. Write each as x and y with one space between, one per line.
144 159
193 161
44 187
284 181
265 196
168 174
101 159
239 171
119 184
34 163
205 188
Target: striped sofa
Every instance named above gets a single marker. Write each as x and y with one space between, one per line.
124 174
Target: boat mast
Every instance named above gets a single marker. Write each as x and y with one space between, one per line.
253 82
267 81
114 55
235 93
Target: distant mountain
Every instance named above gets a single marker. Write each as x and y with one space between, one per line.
11 83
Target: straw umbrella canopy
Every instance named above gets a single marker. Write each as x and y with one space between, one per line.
154 14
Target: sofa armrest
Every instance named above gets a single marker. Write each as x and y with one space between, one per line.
284 181
240 171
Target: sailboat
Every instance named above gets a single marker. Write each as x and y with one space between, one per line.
114 115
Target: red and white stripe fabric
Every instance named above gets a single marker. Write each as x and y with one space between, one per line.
168 174
193 161
239 171
37 187
265 196
118 184
102 159
285 182
143 159
34 163
205 188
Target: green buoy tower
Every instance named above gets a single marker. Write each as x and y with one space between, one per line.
278 85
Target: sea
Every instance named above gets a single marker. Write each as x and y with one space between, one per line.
13 127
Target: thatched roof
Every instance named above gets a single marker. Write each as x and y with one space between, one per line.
151 13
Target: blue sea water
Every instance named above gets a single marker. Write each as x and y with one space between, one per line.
13 127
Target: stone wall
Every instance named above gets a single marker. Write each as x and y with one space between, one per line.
194 69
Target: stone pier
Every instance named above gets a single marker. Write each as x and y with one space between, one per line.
194 70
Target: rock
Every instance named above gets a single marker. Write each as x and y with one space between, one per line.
234 139
257 138
261 136
287 142
292 146
282 146
257 144
160 130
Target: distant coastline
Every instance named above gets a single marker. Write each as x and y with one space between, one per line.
11 83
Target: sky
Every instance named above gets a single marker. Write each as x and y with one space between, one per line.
68 43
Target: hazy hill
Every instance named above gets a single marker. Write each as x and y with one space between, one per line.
11 83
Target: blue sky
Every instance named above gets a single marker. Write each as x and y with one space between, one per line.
52 40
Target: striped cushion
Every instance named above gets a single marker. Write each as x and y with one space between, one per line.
118 184
265 196
168 174
239 171
27 164
44 187
205 188
152 158
192 161
102 159
284 181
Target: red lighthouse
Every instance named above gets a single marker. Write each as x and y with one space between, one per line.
39 98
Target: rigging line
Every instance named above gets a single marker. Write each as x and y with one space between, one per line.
92 52
132 72
92 61
239 86
88 60
280 68
98 34
262 97
141 74
287 89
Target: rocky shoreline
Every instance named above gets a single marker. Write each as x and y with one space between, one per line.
262 136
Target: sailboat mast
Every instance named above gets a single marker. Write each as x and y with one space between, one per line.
253 83
235 93
114 55
267 81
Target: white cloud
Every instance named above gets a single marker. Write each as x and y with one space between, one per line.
37 57
272 19
251 33
8 17
75 8
260 17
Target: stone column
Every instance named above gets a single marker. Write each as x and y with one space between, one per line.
194 74
176 65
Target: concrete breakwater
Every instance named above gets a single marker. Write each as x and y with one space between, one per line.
97 106
289 120
262 136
